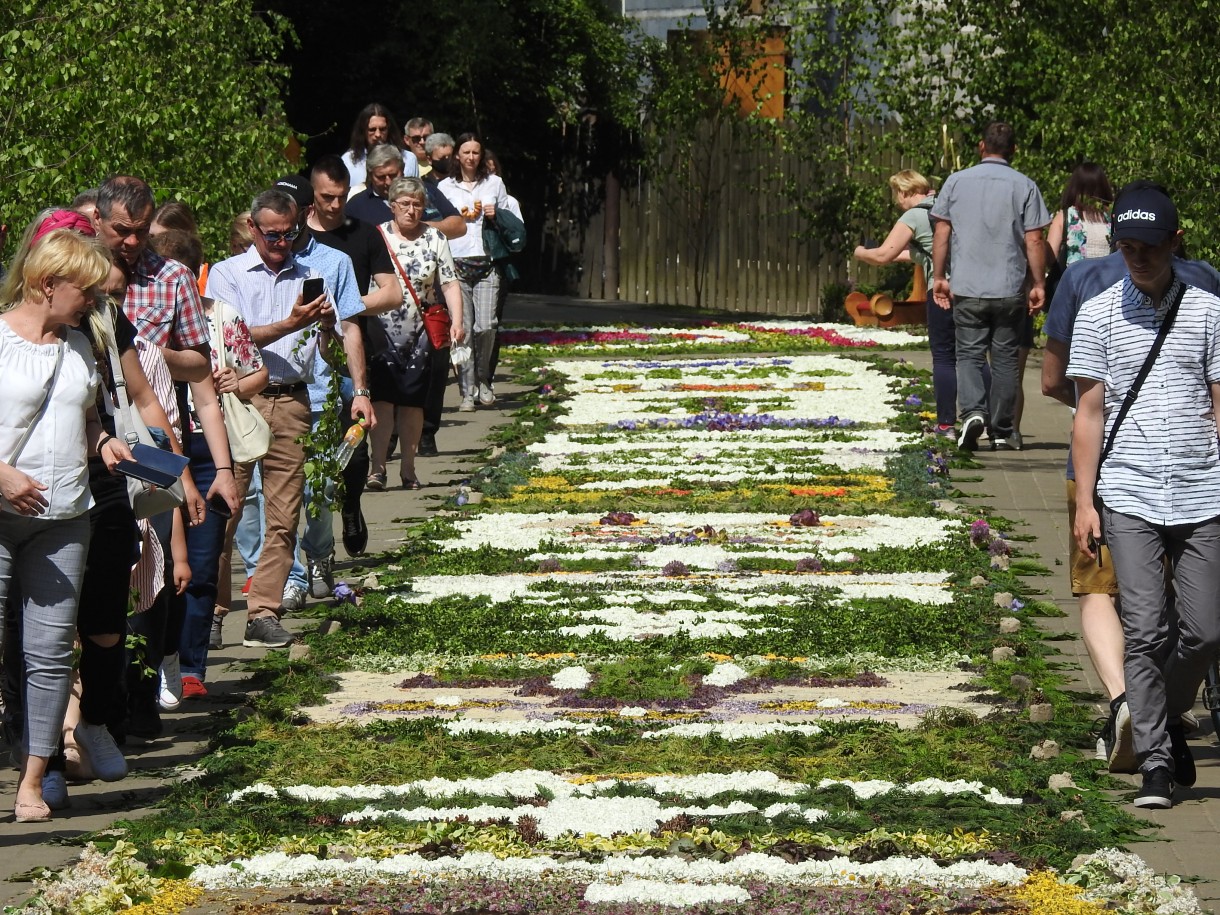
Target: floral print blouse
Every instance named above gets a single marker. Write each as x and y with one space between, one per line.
241 353
424 260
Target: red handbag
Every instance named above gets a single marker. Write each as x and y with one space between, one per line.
438 324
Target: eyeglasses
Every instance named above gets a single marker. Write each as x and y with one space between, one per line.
417 137
275 238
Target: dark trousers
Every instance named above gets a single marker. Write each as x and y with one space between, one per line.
434 402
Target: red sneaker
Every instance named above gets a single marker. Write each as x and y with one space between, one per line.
245 589
193 688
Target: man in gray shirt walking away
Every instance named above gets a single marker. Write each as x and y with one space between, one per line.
987 223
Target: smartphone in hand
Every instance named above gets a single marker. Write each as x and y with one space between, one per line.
218 505
313 288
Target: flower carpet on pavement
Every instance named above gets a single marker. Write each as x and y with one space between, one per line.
707 635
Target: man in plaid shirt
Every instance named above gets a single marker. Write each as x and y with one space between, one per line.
162 296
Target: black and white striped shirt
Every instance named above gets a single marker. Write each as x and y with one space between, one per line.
1165 466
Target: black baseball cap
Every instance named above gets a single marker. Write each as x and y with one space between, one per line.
298 188
1144 213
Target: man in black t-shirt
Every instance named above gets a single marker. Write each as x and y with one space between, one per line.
380 291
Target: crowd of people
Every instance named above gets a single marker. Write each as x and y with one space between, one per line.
370 274
1133 347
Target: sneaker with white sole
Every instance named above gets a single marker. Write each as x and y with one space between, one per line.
486 396
321 577
1120 749
467 404
169 697
266 632
972 430
1156 792
294 598
105 757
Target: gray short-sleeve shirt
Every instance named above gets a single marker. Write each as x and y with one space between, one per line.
990 206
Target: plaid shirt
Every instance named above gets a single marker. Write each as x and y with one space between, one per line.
163 303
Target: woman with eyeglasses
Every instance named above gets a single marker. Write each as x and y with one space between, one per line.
423 259
49 427
476 193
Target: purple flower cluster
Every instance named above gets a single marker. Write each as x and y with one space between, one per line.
675 569
809 564
980 533
914 401
999 547
806 517
621 518
722 421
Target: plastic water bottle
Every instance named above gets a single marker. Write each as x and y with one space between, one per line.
351 441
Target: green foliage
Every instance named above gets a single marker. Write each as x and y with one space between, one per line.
184 94
689 128
835 114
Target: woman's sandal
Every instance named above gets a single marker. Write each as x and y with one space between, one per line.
375 482
412 484
32 813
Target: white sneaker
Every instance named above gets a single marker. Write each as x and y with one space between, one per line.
486 397
105 758
467 404
321 577
170 694
294 598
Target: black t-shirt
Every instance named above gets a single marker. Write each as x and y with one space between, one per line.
363 244
125 337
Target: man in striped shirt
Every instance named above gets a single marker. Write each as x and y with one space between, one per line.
1160 483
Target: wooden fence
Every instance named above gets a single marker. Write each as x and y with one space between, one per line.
716 231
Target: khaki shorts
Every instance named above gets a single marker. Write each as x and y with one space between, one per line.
1087 578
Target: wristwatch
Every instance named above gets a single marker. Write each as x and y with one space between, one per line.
362 392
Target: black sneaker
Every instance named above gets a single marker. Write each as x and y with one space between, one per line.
1120 745
266 632
1010 442
972 429
355 532
1156 793
1183 759
427 446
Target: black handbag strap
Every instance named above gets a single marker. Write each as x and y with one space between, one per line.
1143 373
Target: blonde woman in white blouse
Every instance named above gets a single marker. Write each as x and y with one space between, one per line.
50 381
476 193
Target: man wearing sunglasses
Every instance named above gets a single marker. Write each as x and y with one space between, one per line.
266 286
418 131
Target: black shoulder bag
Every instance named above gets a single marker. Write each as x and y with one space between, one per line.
1132 393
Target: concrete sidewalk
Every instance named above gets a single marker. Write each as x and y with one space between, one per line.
1026 486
